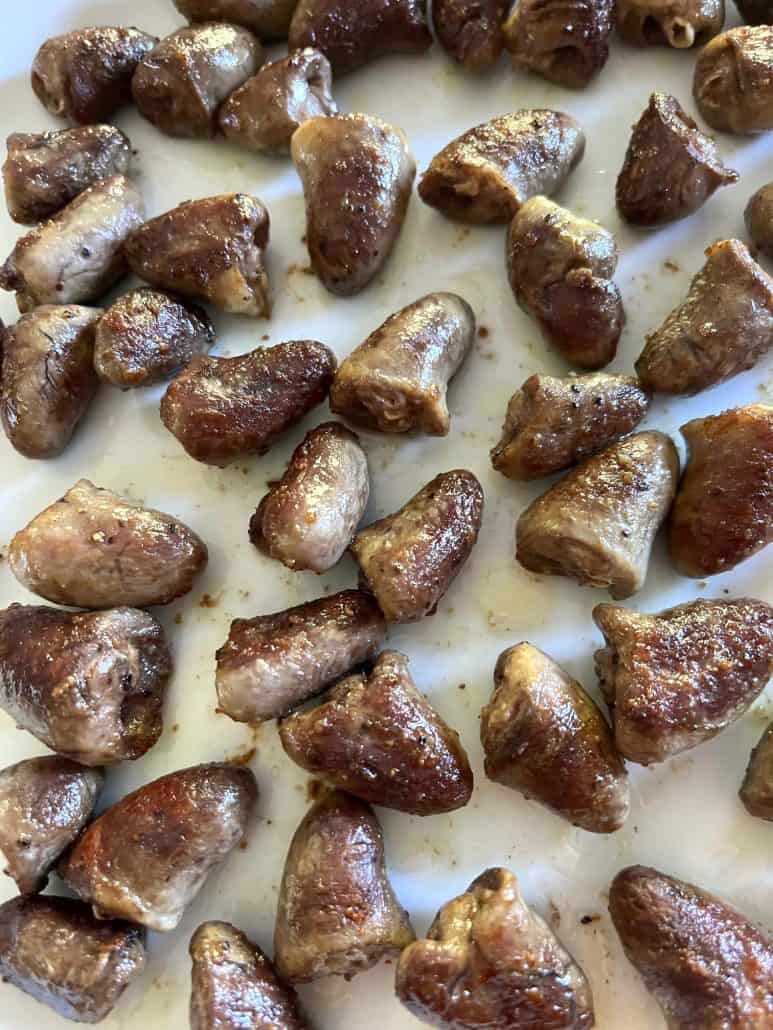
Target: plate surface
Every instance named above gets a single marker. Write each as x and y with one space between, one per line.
686 818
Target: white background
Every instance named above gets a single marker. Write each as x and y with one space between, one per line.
685 818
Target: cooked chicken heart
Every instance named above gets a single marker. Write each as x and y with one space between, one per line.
564 41
90 685
146 858
733 84
757 788
678 678
44 804
470 31
337 913
54 950
378 738
759 217
489 961
274 662
705 964
357 173
268 19
676 23
96 549
46 170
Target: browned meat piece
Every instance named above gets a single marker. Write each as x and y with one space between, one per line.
357 174
351 35
337 913
223 408
470 30
671 168
757 789
268 19
147 857
723 327
723 511
378 738
48 377
597 524
269 107
235 986
560 268
409 560
553 422
733 84
309 518
148 336
44 805
680 677
210 249
755 12
180 84
488 172
86 75
707 966
46 170
274 662
759 217
544 736
489 961
564 41
55 951
397 379
675 23
76 256
90 685
95 549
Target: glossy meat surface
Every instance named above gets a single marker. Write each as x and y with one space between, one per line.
408 560
708 967
544 736
564 41
46 170
146 858
560 268
235 986
488 172
553 422
48 377
309 518
222 408
44 804
272 663
723 511
723 327
397 379
265 112
96 549
470 31
758 217
757 789
148 336
86 75
90 685
490 963
597 525
676 23
352 35
55 951
180 84
76 256
268 19
671 168
337 913
733 83
210 249
378 738
680 677
357 173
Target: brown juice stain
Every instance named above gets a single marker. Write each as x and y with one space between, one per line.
314 790
210 600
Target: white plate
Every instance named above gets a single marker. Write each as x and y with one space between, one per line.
686 818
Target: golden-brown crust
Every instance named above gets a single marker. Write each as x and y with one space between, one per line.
378 738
